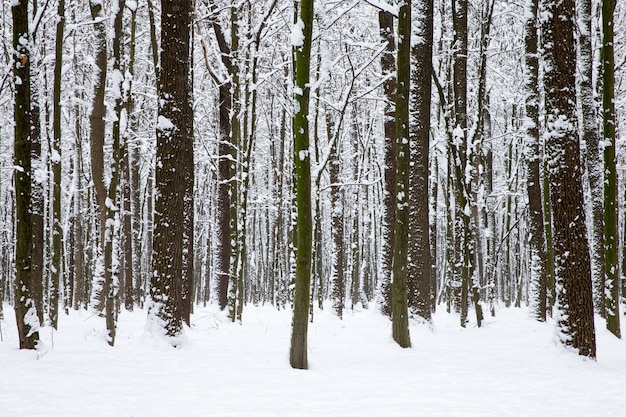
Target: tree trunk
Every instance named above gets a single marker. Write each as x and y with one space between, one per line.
388 67
533 158
237 211
174 130
302 172
226 187
131 184
464 246
399 304
591 138
78 248
188 175
419 267
571 250
490 207
547 226
57 231
25 308
611 243
337 278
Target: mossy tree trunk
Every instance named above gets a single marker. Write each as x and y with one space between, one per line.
611 243
302 34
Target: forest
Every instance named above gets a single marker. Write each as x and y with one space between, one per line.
396 158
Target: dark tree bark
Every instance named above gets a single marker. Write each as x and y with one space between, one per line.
388 66
226 187
96 138
57 231
77 248
188 175
399 304
533 158
174 129
302 172
40 288
338 273
571 249
131 211
611 243
25 308
419 268
463 244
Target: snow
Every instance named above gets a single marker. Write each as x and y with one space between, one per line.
164 123
297 34
509 367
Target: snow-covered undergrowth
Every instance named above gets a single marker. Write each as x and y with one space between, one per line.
509 367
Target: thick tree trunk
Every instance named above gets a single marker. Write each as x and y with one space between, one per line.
572 262
174 129
25 308
419 267
399 304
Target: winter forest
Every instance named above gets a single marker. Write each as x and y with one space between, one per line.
309 175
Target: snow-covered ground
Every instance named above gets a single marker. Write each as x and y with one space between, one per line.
509 367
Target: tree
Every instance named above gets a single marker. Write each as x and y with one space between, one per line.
419 266
533 158
388 67
301 40
611 243
129 205
57 230
591 138
338 279
174 130
25 308
226 193
463 244
571 250
38 183
106 188
399 304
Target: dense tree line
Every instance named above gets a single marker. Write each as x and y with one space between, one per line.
417 155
